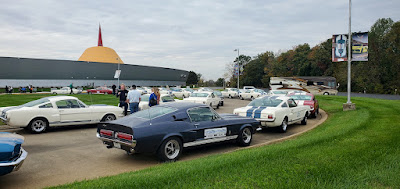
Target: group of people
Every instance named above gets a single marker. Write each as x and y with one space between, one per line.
133 97
9 89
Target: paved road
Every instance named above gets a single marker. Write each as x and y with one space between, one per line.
70 154
380 96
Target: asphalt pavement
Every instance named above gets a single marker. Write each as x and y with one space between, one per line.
73 153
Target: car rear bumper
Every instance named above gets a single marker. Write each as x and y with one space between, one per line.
268 123
113 143
14 165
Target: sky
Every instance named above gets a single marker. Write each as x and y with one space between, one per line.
196 36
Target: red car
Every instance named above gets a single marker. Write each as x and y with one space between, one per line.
306 99
100 90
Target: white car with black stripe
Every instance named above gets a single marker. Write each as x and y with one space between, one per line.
38 115
204 97
275 111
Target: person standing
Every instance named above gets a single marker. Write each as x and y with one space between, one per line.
157 92
6 89
153 98
134 97
114 88
30 88
123 102
71 86
10 89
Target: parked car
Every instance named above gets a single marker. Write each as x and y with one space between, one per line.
142 90
181 93
65 90
205 89
230 93
262 92
12 155
100 90
164 91
248 87
306 99
249 95
277 92
205 97
166 129
38 115
275 111
165 98
219 94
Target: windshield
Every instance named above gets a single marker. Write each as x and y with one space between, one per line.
190 90
153 112
301 97
279 92
199 95
217 93
266 102
36 102
167 99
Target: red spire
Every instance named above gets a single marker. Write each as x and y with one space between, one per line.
100 43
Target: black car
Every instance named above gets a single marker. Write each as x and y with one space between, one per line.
166 129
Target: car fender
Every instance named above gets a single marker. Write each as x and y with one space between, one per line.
248 125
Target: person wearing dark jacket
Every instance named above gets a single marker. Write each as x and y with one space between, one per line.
114 88
123 102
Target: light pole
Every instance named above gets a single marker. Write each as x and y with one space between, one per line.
119 71
238 65
348 105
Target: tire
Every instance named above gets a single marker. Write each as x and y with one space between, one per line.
217 106
108 117
304 121
326 93
38 125
283 127
241 98
55 93
229 96
183 96
222 103
252 98
245 137
170 150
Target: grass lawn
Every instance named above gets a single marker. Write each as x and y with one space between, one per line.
356 149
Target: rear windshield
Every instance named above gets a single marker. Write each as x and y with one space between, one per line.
199 95
154 112
267 102
36 102
301 97
279 92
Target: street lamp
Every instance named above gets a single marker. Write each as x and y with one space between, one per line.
119 71
238 73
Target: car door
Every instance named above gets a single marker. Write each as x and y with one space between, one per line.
71 112
207 124
295 114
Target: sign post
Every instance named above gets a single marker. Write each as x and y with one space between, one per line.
349 105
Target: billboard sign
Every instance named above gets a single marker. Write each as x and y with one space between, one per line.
236 70
339 48
359 47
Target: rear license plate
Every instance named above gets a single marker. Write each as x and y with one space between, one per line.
117 145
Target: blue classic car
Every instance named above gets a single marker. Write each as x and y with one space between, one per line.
166 129
12 155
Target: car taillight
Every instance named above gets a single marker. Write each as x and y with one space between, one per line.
124 136
270 116
106 132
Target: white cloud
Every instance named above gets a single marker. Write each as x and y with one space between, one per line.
190 35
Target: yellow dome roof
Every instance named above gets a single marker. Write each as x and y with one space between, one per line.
100 54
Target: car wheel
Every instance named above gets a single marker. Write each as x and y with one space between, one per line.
108 117
245 137
326 93
222 103
283 126
55 93
304 121
241 98
252 98
183 96
230 96
218 106
38 125
170 150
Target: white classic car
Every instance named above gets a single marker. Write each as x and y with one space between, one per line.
201 89
277 93
181 93
204 97
230 93
275 111
40 114
165 98
164 90
65 90
249 94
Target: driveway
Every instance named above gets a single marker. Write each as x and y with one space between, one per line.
69 154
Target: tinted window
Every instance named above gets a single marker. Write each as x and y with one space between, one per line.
202 114
167 99
48 105
266 101
153 112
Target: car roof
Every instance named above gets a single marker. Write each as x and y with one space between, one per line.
55 98
183 105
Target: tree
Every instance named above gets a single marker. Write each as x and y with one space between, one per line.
192 78
220 82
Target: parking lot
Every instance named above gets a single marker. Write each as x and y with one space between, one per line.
69 154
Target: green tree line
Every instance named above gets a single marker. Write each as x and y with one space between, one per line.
381 74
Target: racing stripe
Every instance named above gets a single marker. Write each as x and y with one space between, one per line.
249 112
257 113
